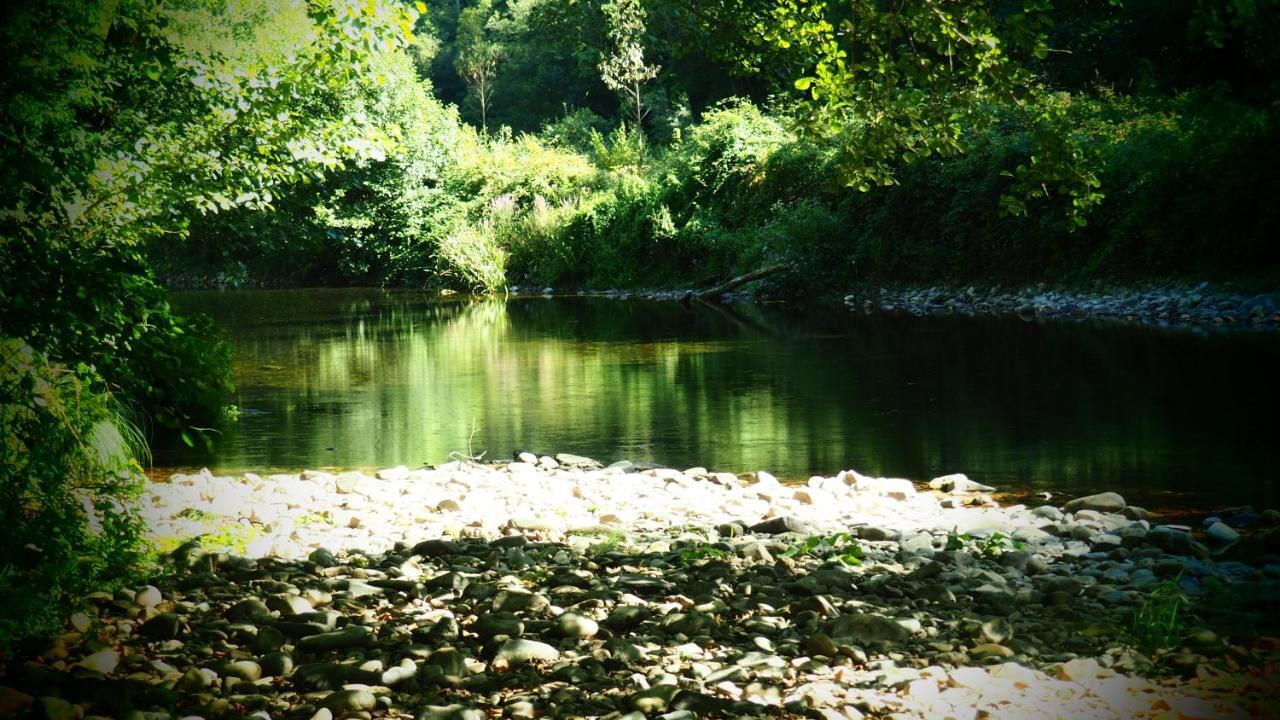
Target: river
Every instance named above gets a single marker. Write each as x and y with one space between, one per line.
369 378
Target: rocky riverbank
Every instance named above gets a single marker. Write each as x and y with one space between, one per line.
1197 305
555 587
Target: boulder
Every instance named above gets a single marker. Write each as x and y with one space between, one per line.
1108 502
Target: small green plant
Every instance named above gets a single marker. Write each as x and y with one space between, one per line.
693 552
1161 617
609 540
991 546
840 546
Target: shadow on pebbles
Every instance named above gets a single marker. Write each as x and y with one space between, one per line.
555 587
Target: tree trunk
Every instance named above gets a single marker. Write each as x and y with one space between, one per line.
741 280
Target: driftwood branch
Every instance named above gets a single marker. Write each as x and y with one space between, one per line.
741 280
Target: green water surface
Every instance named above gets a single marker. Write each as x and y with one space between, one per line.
366 379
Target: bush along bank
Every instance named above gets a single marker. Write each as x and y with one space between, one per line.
1183 179
554 586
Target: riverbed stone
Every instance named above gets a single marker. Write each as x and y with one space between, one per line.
103 661
520 651
1220 533
343 702
148 597
575 625
790 633
1102 502
347 637
866 628
958 484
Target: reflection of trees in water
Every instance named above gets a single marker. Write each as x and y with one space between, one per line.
791 391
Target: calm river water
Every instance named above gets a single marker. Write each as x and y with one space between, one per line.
364 378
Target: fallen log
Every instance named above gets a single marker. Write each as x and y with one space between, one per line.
741 280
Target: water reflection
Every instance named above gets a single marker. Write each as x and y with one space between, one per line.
369 379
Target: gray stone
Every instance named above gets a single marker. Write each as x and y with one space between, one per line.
244 669
996 631
165 626
349 636
249 610
148 597
288 605
1220 533
958 484
103 661
55 708
865 628
323 558
654 699
687 624
349 701
574 625
314 677
498 624
520 651
1102 502
990 650
456 711
276 664
783 524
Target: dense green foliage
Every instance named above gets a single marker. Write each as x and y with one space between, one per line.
121 121
659 144
67 474
583 143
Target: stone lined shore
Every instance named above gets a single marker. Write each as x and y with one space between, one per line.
1199 305
551 586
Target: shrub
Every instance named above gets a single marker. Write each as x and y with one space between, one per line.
68 479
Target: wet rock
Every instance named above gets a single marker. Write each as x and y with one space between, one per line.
1102 502
1169 539
1220 533
1133 512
